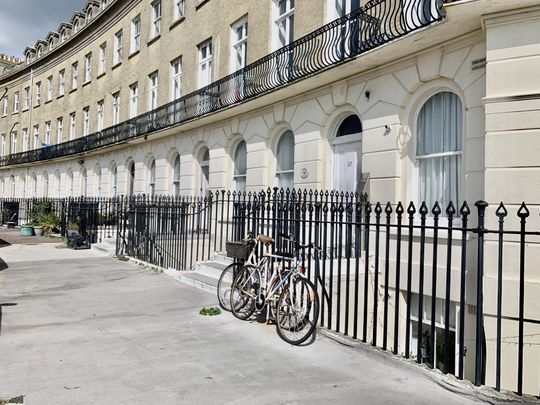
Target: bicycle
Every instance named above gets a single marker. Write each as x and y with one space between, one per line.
286 292
239 251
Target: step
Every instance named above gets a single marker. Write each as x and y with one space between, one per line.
211 269
106 245
194 279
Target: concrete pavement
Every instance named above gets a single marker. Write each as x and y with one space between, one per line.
89 329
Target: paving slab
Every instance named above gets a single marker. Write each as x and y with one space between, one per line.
79 327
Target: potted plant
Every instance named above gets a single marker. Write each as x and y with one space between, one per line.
50 223
27 229
38 230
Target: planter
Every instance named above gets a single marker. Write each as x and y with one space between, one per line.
27 230
38 230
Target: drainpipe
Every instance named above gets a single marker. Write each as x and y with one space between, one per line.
30 130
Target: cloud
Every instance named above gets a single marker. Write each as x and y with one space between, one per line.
23 22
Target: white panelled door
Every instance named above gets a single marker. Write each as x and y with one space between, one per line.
347 166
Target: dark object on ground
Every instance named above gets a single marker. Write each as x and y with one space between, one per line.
77 241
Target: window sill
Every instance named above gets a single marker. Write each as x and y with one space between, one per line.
201 3
116 65
25 109
59 96
48 101
37 105
86 83
154 39
101 75
73 90
15 112
177 22
134 53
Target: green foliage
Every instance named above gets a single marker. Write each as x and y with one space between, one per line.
73 226
16 400
210 311
50 223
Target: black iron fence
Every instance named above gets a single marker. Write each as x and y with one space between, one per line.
373 25
93 218
408 279
453 287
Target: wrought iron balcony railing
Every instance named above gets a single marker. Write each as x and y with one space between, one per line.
375 24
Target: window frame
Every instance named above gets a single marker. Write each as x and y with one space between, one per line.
279 173
102 59
74 75
237 176
100 114
153 90
16 102
176 79
116 108
417 158
48 133
118 47
72 125
179 9
87 68
205 62
59 130
239 45
62 82
135 40
133 100
49 88
155 26
86 121
288 18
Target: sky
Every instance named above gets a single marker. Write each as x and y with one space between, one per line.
23 22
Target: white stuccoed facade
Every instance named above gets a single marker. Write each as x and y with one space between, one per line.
486 52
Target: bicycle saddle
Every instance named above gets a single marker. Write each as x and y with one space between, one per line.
266 240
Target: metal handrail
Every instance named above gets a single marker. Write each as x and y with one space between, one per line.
375 24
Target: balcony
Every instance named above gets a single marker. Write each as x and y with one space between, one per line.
377 23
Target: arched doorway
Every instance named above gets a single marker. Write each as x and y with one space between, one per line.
131 178
347 165
204 172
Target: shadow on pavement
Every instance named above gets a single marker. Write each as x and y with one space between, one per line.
3 264
5 304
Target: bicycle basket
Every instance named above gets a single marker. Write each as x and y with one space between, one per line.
238 249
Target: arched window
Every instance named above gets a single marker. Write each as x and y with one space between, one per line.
347 158
204 174
70 182
152 177
57 184
131 178
176 176
240 167
114 180
45 185
97 176
439 135
12 185
2 186
84 182
35 185
285 161
350 126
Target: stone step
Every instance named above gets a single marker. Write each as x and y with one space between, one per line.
106 245
195 279
211 269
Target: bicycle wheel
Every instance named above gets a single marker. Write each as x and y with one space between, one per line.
224 285
244 291
297 311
